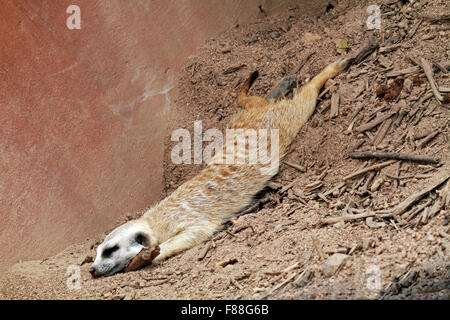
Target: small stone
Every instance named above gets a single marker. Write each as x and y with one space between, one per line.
310 37
275 35
339 205
129 296
366 243
118 297
334 263
408 85
377 183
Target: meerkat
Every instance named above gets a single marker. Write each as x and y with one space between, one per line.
199 207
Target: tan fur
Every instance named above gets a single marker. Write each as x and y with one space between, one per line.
198 208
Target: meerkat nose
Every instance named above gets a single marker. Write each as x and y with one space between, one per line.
93 271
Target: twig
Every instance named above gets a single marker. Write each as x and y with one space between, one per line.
288 186
393 155
205 251
334 110
427 139
413 213
347 218
414 30
280 285
436 18
404 205
224 263
411 70
375 122
428 69
333 189
390 48
371 168
365 187
295 166
302 63
417 176
382 131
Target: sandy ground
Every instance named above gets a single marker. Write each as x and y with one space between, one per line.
281 248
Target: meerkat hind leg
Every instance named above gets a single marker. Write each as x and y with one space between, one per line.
329 72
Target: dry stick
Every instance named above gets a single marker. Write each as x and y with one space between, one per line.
393 156
436 18
411 70
417 105
288 186
420 136
295 166
205 251
278 286
390 48
365 187
358 109
347 218
417 176
404 205
397 172
427 139
334 110
414 30
428 69
375 122
302 63
440 67
382 131
371 168
401 115
417 210
333 189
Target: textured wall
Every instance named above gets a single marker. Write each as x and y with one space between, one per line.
82 111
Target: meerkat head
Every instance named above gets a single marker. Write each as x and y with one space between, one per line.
119 248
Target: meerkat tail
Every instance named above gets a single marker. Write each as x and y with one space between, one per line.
242 95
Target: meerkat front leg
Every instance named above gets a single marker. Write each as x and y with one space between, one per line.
182 241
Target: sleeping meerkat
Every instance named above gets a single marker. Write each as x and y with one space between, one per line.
199 207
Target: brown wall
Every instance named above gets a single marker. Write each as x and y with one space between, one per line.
82 111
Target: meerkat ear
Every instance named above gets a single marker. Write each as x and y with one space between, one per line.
142 239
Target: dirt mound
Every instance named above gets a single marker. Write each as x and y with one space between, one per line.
286 246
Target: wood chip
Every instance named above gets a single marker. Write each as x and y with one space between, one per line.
428 69
371 168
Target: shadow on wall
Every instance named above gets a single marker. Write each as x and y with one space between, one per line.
83 110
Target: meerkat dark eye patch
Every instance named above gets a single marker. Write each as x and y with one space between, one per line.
141 239
109 251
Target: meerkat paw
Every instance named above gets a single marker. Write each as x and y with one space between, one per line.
340 65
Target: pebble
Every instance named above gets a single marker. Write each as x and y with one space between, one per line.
333 263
